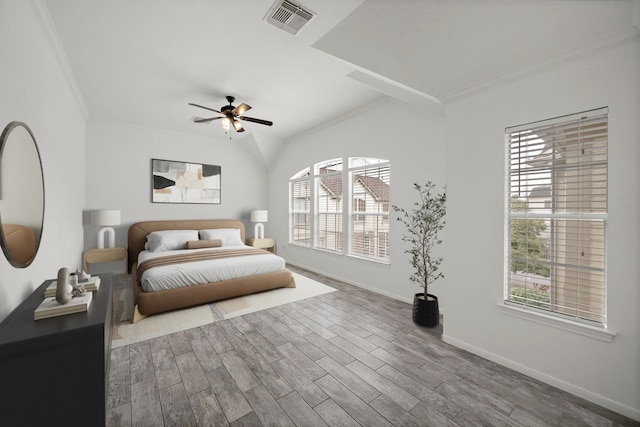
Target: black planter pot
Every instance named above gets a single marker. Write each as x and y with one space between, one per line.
426 312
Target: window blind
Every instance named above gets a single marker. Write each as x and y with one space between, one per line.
329 199
299 211
369 217
342 193
556 215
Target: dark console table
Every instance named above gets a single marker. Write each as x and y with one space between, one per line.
55 371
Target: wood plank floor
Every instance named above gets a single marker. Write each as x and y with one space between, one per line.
346 358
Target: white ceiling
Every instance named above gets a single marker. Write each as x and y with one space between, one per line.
142 61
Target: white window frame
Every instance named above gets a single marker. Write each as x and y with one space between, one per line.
301 178
345 175
376 221
324 174
591 322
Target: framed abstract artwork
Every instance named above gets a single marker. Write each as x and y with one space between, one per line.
182 182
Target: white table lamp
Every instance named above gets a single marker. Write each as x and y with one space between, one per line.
106 218
259 216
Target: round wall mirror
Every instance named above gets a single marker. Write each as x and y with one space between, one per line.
21 195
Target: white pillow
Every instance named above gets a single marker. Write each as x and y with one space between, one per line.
167 240
229 236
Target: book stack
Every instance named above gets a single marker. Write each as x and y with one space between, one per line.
92 285
51 308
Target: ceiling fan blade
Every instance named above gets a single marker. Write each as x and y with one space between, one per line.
251 119
241 109
238 126
206 108
200 120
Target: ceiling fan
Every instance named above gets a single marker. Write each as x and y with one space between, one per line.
230 115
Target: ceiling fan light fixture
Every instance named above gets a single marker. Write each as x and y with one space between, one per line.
226 124
230 115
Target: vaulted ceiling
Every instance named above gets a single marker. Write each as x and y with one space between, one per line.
143 61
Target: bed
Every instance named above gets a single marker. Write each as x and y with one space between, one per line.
244 277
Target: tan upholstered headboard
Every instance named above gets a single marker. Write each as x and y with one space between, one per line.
137 235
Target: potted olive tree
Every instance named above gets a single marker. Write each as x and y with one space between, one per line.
423 223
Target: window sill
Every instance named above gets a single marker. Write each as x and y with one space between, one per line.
368 260
299 245
355 258
601 334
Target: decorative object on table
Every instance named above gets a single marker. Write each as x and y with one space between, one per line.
423 223
106 218
67 299
181 182
63 289
91 285
83 276
259 216
51 308
78 289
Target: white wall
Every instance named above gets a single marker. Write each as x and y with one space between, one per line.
119 176
607 373
413 142
35 90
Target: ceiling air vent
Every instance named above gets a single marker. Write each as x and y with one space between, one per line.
288 16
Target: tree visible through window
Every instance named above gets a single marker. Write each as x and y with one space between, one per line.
557 211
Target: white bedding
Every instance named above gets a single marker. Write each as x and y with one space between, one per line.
193 273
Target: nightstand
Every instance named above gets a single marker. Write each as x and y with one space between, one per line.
267 243
96 255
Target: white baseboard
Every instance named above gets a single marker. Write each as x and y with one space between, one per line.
350 282
618 407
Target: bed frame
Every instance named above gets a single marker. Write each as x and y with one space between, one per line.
147 303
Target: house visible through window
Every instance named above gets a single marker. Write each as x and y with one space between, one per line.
369 226
300 208
557 213
361 225
328 197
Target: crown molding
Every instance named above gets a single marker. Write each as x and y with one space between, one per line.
43 16
610 41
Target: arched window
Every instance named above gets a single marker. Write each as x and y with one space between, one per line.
342 205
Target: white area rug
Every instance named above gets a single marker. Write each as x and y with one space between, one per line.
125 332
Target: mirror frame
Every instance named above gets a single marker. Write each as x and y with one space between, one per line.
6 133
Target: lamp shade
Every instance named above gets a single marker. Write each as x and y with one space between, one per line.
259 216
105 217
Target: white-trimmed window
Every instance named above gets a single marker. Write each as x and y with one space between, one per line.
328 197
349 199
369 224
556 216
300 208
